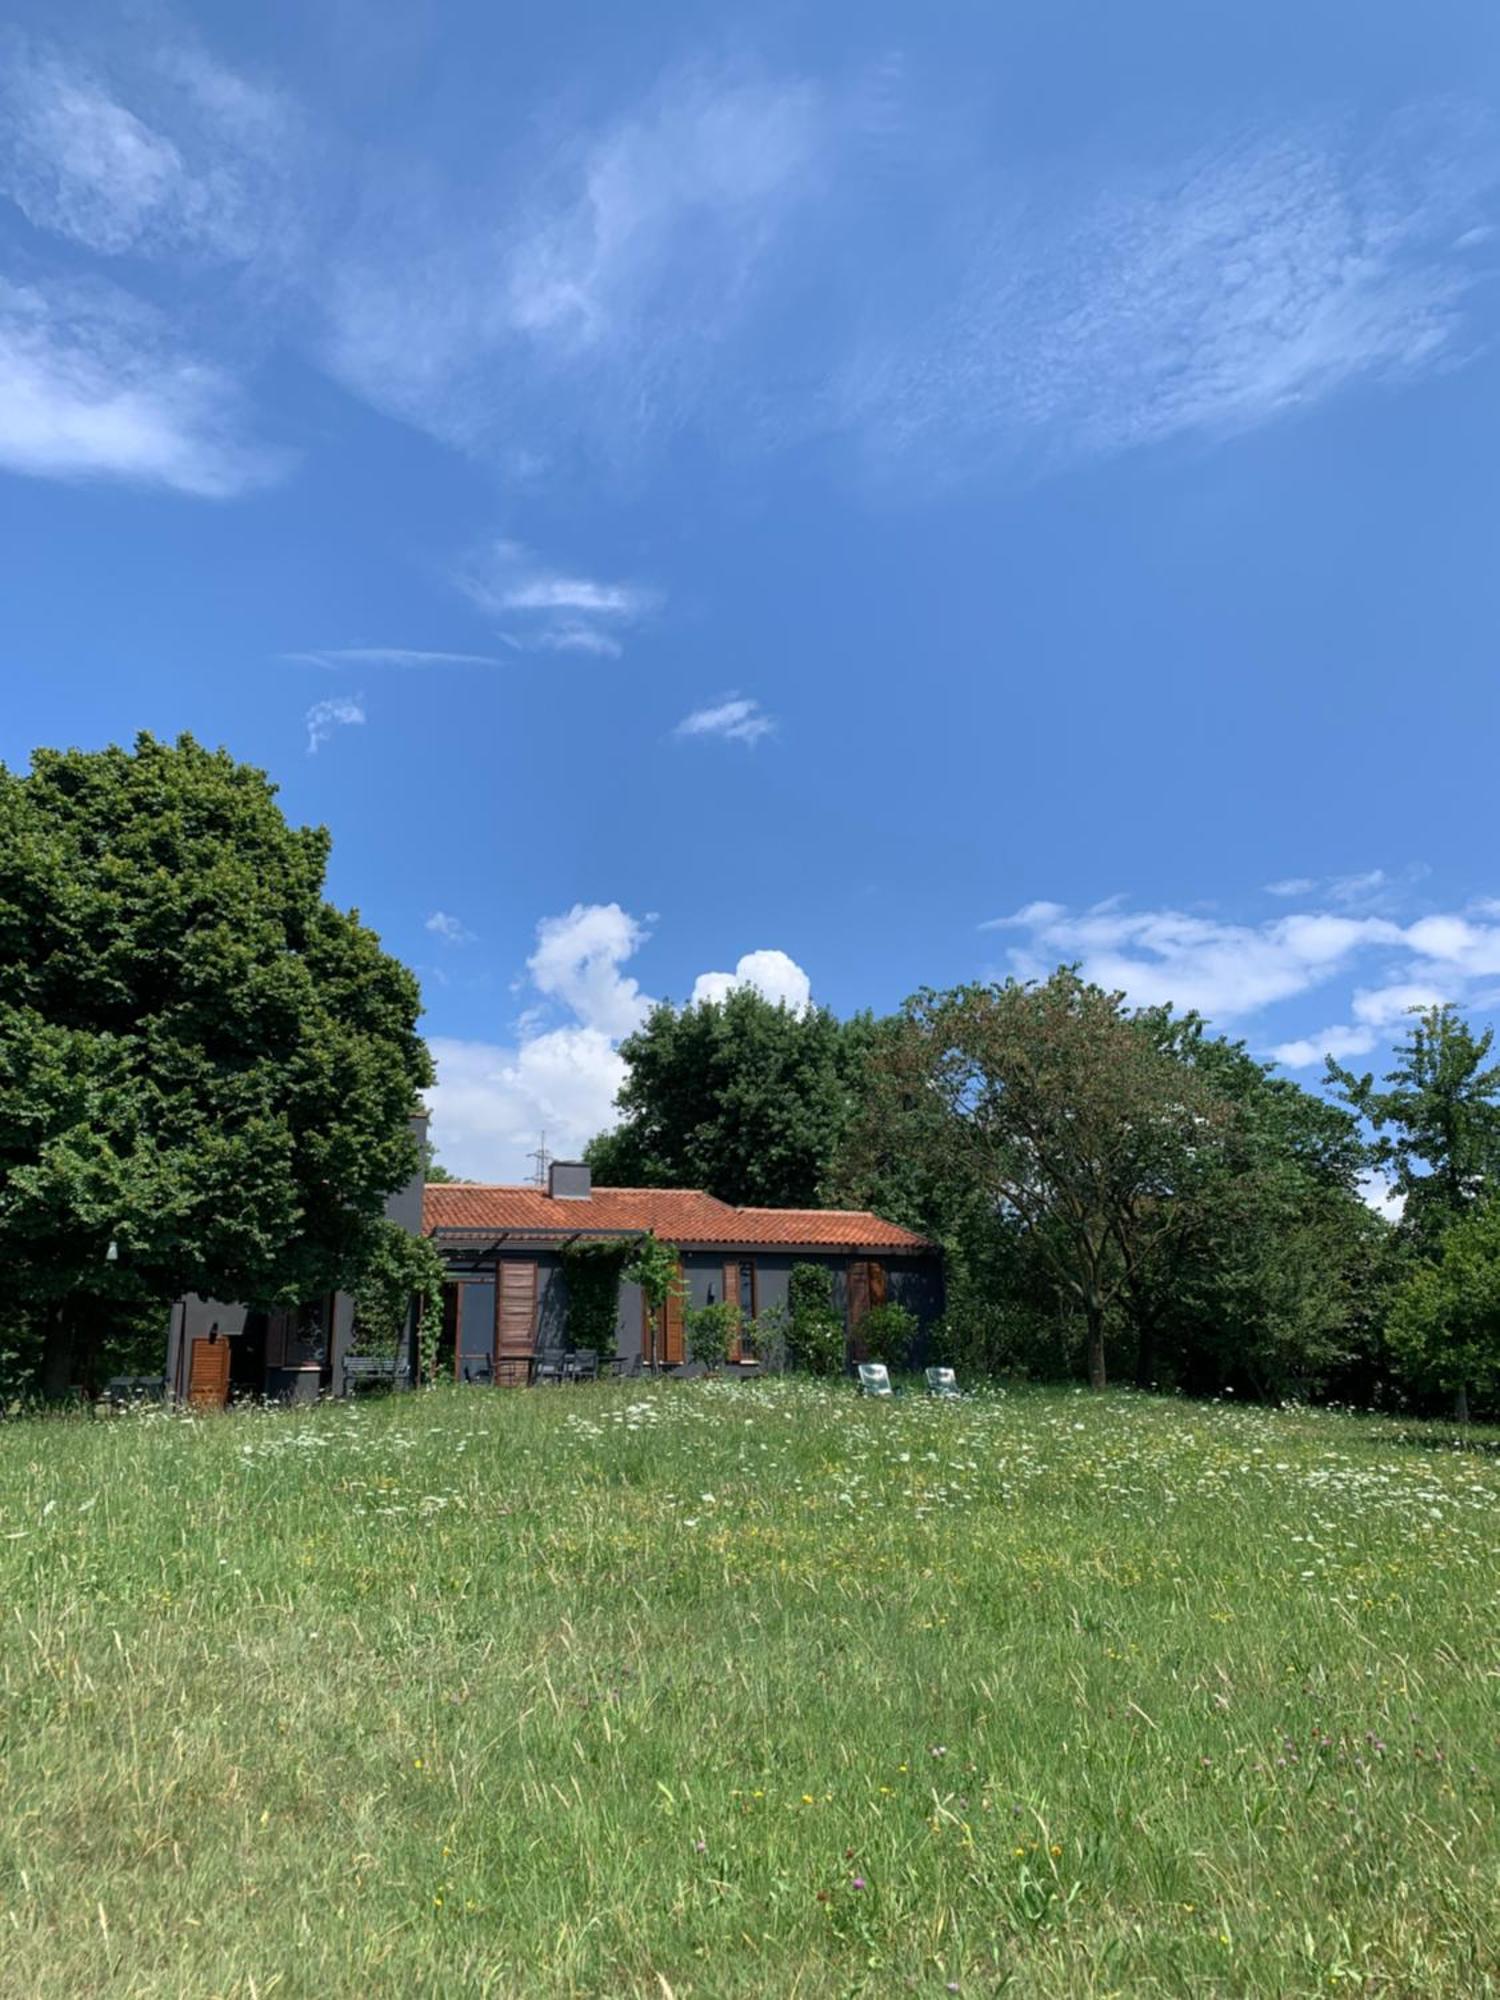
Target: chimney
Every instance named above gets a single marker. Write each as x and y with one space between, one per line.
569 1180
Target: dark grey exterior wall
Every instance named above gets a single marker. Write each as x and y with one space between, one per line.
914 1282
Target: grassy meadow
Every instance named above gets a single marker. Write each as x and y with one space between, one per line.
710 1689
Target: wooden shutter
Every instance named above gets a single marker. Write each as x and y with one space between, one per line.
208 1374
671 1325
515 1319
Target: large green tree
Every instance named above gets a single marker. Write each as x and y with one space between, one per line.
1268 1280
1060 1112
202 1062
741 1096
1445 1318
1436 1123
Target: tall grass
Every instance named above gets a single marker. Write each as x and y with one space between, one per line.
725 1690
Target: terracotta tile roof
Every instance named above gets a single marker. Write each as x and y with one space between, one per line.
685 1216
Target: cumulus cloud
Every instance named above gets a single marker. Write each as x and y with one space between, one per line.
491 1103
493 1100
735 718
338 712
578 960
771 973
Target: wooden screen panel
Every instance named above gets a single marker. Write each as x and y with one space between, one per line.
208 1374
867 1289
672 1348
732 1298
515 1320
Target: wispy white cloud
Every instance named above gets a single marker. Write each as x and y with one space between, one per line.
566 638
604 279
734 717
1224 970
178 155
337 712
1233 973
449 929
772 974
387 656
551 610
92 386
1204 298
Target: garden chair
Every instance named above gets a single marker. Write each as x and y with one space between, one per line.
549 1367
941 1382
479 1368
874 1379
581 1367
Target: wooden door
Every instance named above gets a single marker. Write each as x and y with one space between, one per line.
208 1373
515 1320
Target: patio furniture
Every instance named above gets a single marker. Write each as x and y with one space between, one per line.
370 1371
941 1382
874 1379
549 1368
479 1368
582 1366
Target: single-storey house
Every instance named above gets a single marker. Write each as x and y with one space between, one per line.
506 1306
506 1303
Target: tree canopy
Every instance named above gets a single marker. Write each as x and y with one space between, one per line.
1437 1122
1064 1112
741 1096
1445 1317
202 1061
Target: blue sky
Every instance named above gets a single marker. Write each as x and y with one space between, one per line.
845 498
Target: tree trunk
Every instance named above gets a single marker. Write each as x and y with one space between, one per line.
1461 1404
1095 1319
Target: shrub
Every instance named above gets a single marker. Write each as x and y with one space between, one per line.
711 1331
888 1333
592 1272
399 1270
770 1336
817 1327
